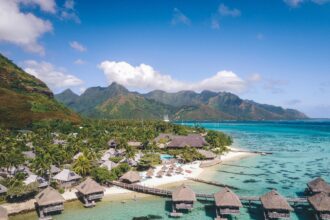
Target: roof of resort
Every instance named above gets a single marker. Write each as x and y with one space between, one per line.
274 201
226 197
54 169
49 196
109 165
66 175
192 140
131 176
207 154
163 136
3 189
183 193
320 202
35 179
89 186
318 185
29 154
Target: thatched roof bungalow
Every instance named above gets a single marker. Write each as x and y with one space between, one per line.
208 155
109 165
90 191
42 183
67 178
130 177
49 200
191 140
3 189
321 204
275 206
318 185
227 202
183 198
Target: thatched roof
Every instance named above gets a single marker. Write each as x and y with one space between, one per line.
192 140
89 186
163 136
134 143
54 169
318 185
320 202
3 213
35 179
226 198
131 177
3 189
274 201
29 154
49 196
109 165
66 175
207 154
183 193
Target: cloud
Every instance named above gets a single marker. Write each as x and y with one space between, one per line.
77 46
274 86
145 77
215 23
55 78
79 62
22 29
69 12
179 18
296 3
45 5
293 102
226 11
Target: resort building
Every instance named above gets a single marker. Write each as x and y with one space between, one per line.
130 177
54 170
227 203
191 140
275 206
321 205
3 190
67 178
90 191
109 165
49 201
42 183
208 155
183 198
317 185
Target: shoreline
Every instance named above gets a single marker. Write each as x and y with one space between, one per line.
115 193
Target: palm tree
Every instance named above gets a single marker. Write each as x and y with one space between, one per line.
82 165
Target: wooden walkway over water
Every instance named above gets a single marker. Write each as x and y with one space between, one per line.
199 196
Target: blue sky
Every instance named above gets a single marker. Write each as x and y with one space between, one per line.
274 51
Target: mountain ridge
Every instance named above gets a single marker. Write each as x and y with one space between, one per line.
109 102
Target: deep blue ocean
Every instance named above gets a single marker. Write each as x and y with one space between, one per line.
300 152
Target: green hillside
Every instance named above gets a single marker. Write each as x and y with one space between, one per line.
25 99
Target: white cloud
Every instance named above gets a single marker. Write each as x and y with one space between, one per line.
179 18
147 78
53 77
77 46
296 3
45 5
22 29
69 12
226 11
79 62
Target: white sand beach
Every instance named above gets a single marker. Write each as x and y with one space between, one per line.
191 170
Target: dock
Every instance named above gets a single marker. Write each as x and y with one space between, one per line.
212 183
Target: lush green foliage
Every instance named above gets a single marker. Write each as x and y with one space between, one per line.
149 160
218 140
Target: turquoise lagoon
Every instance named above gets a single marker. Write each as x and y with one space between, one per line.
301 151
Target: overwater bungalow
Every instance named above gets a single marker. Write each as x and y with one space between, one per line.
227 203
130 177
90 191
3 213
275 206
208 155
3 189
49 201
191 140
317 185
321 205
67 178
183 198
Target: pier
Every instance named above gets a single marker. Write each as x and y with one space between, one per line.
213 183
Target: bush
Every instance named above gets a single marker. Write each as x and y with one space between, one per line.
149 160
101 175
116 159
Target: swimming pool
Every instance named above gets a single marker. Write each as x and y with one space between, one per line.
166 157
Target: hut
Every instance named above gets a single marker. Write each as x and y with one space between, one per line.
3 190
67 178
191 140
49 201
42 183
29 155
316 186
208 155
275 206
109 165
3 213
150 173
90 191
183 198
321 205
130 177
54 170
160 174
227 203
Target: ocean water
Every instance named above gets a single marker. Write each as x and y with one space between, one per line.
300 152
